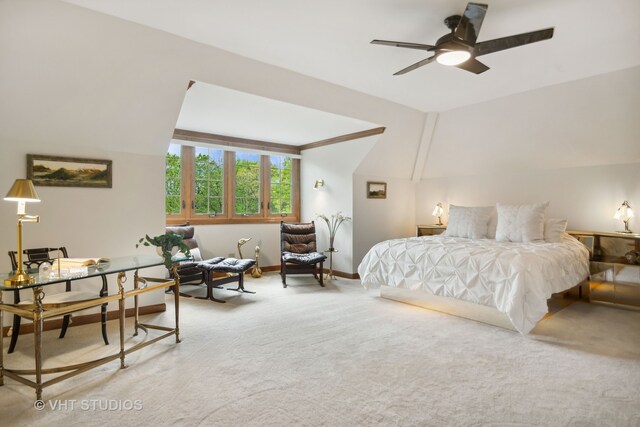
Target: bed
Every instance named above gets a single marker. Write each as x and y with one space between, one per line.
506 283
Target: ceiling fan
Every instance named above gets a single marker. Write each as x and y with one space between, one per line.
459 48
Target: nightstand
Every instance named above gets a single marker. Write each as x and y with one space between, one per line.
429 230
614 266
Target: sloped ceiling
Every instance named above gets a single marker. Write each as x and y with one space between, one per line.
330 39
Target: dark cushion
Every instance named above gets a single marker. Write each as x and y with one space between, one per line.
310 258
227 265
298 238
187 232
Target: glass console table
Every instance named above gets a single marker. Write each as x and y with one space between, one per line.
38 310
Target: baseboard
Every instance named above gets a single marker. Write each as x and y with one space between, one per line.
343 274
326 270
26 327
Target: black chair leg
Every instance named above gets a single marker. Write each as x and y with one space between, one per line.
65 324
15 331
321 274
103 309
103 320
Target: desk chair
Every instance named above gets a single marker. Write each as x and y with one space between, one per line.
35 258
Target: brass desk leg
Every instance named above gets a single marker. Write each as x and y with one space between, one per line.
176 293
1 345
122 278
38 295
135 303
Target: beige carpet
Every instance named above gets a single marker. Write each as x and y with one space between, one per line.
341 356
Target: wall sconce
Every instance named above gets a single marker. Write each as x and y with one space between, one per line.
319 184
438 211
624 213
22 192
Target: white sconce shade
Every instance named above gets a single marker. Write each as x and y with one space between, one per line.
318 184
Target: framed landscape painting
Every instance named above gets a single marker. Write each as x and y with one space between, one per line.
68 171
376 190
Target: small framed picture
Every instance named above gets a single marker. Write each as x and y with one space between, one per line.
68 171
376 190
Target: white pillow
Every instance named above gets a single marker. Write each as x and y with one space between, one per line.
493 223
521 223
469 222
554 229
195 254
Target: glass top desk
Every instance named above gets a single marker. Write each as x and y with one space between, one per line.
38 311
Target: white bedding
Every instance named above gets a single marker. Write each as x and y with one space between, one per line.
515 278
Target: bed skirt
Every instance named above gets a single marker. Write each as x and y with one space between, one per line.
477 312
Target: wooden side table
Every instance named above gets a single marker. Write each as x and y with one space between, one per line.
429 230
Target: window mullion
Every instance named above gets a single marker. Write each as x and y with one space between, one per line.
265 183
188 179
229 184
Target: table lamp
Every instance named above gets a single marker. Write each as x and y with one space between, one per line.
624 213
438 211
22 192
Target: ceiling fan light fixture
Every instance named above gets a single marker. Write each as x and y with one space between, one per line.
453 57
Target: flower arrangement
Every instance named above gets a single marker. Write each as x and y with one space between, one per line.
333 223
165 244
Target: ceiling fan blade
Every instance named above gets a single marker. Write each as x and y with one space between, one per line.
404 44
470 23
416 65
495 45
473 65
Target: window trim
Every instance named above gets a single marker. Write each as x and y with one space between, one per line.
187 214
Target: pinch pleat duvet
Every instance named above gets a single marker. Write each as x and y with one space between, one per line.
515 278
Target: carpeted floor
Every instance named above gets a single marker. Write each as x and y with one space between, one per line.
341 356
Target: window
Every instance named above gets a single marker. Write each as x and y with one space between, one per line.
209 181
173 181
209 185
247 179
280 186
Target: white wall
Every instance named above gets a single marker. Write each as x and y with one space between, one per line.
335 164
586 196
382 219
587 122
575 145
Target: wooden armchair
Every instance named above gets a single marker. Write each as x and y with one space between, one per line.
298 251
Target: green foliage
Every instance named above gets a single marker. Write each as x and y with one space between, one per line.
209 183
173 184
280 188
166 242
248 185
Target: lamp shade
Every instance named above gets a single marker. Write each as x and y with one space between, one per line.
318 184
22 191
624 212
438 211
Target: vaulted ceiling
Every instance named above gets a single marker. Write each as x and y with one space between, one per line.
330 40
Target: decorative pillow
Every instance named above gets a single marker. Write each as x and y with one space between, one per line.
195 254
553 229
521 223
493 223
469 222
